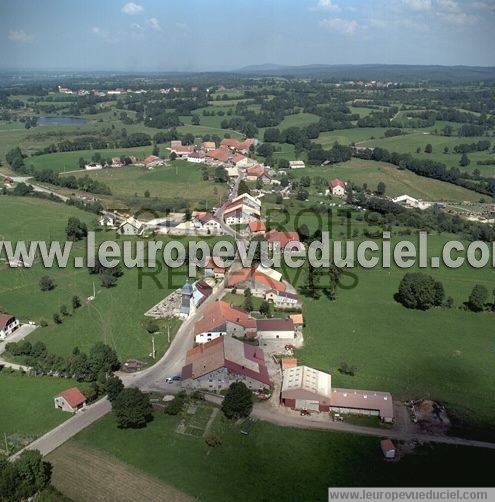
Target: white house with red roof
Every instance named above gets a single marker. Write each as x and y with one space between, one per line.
210 223
221 319
275 329
197 157
256 227
8 324
336 187
258 282
70 400
182 151
288 241
153 161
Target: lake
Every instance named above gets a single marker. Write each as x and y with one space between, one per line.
61 121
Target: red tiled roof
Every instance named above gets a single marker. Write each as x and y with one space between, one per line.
297 318
218 313
238 277
246 274
387 445
282 237
255 171
221 154
268 281
210 356
197 155
275 325
206 217
73 396
288 362
183 149
150 159
337 183
237 157
256 226
235 144
230 142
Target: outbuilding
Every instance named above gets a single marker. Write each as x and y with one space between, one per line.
70 400
388 448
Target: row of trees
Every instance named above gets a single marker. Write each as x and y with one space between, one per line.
84 183
96 365
24 477
421 291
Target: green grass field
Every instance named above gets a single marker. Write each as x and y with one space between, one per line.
262 465
27 404
397 182
69 161
411 142
114 317
348 136
298 120
179 179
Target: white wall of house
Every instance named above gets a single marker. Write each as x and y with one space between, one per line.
8 330
128 229
208 336
62 404
275 335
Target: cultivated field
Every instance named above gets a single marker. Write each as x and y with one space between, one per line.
268 451
74 464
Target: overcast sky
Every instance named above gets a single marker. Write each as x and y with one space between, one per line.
229 34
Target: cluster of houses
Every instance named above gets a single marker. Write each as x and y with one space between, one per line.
112 92
201 223
150 162
230 152
266 284
220 358
222 319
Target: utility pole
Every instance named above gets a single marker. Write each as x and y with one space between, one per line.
168 333
153 352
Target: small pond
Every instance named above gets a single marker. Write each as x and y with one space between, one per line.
61 121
